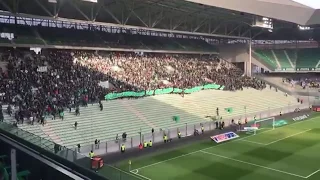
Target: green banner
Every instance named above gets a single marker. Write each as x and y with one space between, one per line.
112 96
163 91
192 90
149 93
211 86
177 90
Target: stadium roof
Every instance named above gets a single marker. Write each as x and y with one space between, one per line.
315 4
219 18
285 10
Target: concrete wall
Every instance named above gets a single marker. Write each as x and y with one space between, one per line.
238 53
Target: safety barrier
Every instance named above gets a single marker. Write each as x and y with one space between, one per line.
111 96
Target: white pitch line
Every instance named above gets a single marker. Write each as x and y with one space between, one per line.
129 173
288 137
252 164
160 162
312 173
253 142
142 176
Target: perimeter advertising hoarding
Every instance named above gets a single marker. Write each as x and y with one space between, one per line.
289 70
224 137
316 108
300 118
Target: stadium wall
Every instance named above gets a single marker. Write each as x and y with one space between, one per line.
238 53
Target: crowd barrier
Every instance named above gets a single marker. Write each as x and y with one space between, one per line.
111 96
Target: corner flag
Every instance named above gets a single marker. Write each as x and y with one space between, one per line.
229 109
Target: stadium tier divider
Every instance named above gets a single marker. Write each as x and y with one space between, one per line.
111 96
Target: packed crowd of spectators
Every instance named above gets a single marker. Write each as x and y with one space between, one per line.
45 84
308 81
152 71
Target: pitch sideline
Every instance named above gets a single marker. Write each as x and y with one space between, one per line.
160 162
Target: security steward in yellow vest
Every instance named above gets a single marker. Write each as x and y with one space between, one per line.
145 144
150 143
123 148
202 129
91 154
165 138
179 135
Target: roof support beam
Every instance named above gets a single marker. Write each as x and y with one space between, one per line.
5 5
79 10
216 29
44 8
179 23
260 32
131 9
200 24
234 29
160 17
137 16
111 14
246 32
94 17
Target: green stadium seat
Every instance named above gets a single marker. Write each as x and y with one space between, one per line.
282 58
23 174
300 59
3 157
308 58
267 57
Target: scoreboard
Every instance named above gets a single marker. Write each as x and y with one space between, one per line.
263 22
224 137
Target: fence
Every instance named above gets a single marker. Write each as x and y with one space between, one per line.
44 143
111 96
186 129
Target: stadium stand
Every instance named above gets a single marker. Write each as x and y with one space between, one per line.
72 79
308 58
155 112
289 58
267 57
282 58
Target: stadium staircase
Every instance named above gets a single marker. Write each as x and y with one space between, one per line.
292 64
282 59
131 115
275 58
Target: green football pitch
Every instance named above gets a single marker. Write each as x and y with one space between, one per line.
290 152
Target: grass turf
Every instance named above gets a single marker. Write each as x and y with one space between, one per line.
290 152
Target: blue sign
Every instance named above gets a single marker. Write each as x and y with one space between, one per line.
224 137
